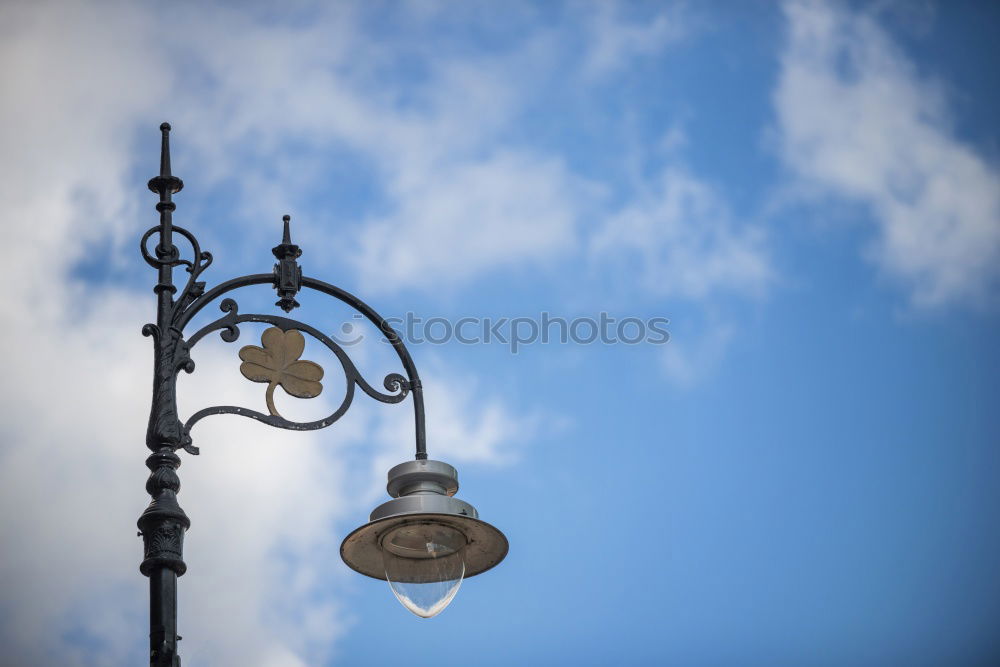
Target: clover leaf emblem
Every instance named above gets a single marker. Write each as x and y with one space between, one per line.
278 363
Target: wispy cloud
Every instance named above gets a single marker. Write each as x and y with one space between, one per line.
680 239
857 120
462 220
616 40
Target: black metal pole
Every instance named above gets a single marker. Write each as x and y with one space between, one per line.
163 523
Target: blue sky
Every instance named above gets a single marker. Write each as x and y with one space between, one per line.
806 473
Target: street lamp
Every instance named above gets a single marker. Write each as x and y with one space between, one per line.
424 541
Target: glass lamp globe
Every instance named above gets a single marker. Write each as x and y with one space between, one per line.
424 565
424 542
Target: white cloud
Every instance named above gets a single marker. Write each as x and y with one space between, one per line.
856 119
679 238
460 220
451 208
616 41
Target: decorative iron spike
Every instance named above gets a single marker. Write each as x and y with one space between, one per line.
287 272
166 183
165 150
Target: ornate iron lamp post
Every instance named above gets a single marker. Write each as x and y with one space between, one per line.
423 541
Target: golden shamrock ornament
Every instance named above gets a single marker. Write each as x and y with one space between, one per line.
278 363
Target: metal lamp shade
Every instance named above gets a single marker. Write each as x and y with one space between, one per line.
424 489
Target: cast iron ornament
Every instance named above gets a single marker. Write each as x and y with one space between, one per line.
278 364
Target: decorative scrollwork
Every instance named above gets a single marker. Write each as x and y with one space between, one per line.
268 368
176 311
394 382
150 329
171 257
230 332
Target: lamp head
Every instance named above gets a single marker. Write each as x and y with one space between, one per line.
424 541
